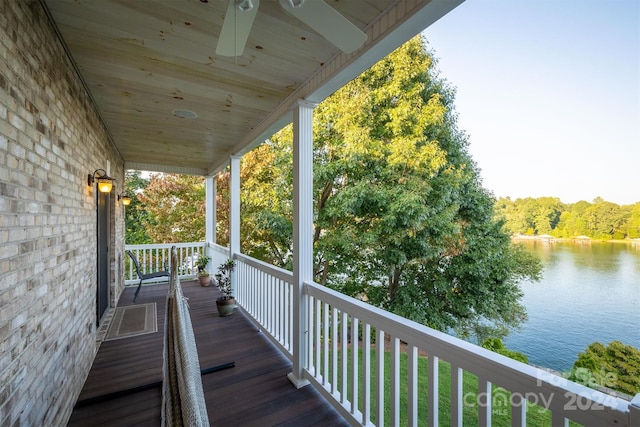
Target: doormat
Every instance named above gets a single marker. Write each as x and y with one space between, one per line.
133 320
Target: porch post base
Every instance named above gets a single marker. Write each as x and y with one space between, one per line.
297 382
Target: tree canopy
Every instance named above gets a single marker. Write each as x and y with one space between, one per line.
135 213
616 366
174 208
546 215
168 208
402 220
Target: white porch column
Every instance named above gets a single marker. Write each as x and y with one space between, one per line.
210 209
234 214
302 232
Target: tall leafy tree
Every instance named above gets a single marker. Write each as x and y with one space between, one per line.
135 213
222 205
175 208
632 226
402 220
605 219
547 214
530 216
573 222
266 199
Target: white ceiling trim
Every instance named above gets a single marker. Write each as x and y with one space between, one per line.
163 168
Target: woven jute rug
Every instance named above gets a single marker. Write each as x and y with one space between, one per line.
133 320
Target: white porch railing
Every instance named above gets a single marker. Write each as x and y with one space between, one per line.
345 357
265 293
219 254
354 353
155 257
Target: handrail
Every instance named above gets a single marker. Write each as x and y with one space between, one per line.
346 370
156 256
563 397
265 293
333 320
271 270
219 254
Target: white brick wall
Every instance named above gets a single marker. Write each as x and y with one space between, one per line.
50 139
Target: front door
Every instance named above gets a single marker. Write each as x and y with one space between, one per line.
102 297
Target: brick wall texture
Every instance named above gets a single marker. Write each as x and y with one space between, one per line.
51 138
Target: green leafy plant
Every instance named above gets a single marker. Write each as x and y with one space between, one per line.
615 366
223 277
202 263
496 345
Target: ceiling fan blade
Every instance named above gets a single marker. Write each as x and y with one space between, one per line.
236 28
327 22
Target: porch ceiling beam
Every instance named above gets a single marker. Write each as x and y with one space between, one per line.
403 20
152 167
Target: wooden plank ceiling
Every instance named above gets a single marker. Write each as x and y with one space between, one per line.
145 60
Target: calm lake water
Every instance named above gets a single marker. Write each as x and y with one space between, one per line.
588 293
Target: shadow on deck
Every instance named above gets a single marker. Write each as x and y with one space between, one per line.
256 392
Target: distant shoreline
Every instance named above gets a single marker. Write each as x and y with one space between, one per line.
578 239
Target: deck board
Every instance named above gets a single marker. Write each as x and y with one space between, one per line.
256 392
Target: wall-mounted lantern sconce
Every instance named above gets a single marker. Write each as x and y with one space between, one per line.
126 200
105 182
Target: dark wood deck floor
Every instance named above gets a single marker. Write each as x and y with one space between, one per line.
256 392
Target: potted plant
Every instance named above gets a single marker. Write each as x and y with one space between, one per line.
203 274
227 302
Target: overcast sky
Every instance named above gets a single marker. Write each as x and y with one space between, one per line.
549 94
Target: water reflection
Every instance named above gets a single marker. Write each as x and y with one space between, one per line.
597 256
589 292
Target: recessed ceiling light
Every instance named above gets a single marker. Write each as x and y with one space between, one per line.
185 114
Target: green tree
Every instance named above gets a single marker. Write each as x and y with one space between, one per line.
135 213
561 228
175 208
632 225
496 345
401 218
267 184
222 208
576 222
530 216
616 366
547 212
516 220
605 219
